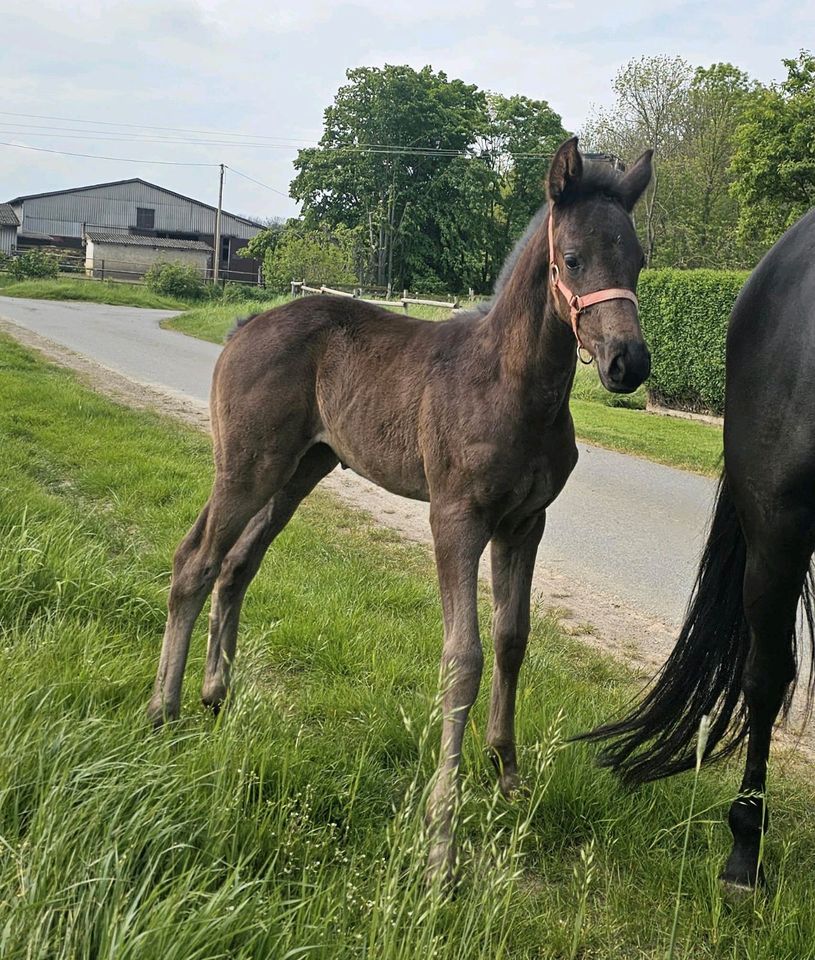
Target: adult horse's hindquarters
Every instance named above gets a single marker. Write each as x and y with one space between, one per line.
737 656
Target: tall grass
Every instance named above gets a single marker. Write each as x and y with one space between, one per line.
292 826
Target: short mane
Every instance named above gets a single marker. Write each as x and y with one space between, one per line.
599 177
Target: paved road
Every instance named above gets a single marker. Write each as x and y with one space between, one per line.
625 528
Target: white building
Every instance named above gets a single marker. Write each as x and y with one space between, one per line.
116 255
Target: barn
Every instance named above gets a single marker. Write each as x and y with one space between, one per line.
133 208
8 228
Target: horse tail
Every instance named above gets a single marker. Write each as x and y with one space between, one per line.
702 676
240 322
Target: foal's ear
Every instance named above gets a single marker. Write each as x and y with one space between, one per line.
636 180
565 171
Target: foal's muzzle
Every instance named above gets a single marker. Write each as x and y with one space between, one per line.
624 366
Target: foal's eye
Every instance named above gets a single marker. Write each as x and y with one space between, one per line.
572 263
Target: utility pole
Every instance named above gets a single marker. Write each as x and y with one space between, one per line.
216 263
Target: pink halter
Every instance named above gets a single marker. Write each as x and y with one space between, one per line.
578 304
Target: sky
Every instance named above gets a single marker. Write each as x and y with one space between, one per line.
257 76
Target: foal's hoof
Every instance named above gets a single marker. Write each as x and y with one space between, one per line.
213 695
159 713
512 788
509 783
441 867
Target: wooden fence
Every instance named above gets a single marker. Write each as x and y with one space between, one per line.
299 287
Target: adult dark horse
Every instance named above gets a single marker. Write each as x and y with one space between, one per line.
471 414
737 654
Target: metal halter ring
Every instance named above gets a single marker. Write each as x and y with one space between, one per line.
588 362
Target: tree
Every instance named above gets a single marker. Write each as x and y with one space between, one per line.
389 134
649 111
774 158
701 213
520 138
316 256
265 241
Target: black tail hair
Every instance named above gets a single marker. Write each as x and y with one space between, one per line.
703 675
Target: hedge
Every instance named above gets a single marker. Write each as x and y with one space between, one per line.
684 317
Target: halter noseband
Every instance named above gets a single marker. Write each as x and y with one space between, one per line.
578 304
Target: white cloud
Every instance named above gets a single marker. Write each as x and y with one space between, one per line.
271 69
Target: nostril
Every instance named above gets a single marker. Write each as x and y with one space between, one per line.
616 369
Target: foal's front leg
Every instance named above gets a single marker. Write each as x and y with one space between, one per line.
513 561
460 538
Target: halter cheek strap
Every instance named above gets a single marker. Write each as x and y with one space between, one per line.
578 304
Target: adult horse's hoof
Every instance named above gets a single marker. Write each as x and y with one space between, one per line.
741 880
735 892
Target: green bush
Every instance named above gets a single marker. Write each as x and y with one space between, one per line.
244 293
176 280
34 265
684 318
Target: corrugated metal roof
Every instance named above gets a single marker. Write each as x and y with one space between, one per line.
8 218
133 240
147 183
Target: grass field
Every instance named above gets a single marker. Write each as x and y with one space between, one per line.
291 827
616 421
92 291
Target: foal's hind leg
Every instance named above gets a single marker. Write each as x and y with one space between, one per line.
774 578
513 560
243 562
195 567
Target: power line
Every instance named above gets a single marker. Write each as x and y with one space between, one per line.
96 156
246 139
145 126
258 182
72 133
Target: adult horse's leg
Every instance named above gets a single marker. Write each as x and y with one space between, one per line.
459 537
777 563
513 560
243 562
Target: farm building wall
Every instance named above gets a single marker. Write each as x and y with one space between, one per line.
8 239
118 261
116 206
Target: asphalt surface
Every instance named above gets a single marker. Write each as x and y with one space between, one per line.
625 528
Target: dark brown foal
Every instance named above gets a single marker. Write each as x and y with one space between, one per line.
471 414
